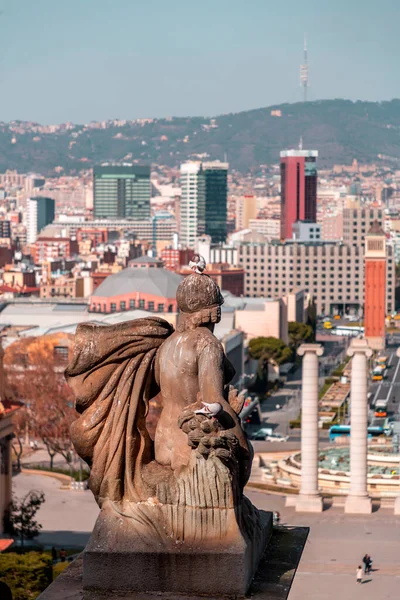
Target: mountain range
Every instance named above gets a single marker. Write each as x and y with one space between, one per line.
341 130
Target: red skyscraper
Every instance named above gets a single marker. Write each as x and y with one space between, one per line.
298 189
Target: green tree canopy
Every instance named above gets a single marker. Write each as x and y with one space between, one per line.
265 350
270 348
300 333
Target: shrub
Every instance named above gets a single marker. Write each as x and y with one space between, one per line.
59 568
26 574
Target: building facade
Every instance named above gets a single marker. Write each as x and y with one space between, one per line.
358 221
48 249
216 200
271 228
145 285
298 189
40 211
121 191
246 210
333 273
203 206
193 199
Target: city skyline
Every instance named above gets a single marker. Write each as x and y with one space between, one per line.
182 62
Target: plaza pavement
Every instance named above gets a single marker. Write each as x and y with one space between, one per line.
333 550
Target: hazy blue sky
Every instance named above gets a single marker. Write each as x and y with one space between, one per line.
80 60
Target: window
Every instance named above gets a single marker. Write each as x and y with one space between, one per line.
113 307
150 306
122 305
141 304
160 307
131 303
60 354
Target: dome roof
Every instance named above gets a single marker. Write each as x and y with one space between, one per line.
158 282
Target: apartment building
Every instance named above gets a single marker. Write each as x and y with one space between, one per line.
271 228
332 272
358 221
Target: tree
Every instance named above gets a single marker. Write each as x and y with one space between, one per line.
20 424
22 516
38 379
300 333
267 350
312 316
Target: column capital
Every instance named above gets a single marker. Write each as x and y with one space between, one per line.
359 346
314 348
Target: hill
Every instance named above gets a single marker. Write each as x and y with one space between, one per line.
340 129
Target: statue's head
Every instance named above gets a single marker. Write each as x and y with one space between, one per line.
199 297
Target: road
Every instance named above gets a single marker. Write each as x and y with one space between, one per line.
389 388
284 405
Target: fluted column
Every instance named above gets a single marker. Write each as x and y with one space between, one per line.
397 499
358 500
309 499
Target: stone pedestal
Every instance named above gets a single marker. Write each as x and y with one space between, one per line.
130 554
358 501
273 579
309 499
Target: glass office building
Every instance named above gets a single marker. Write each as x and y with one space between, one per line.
216 177
204 201
121 191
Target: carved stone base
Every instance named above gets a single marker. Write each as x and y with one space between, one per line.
306 503
358 505
136 554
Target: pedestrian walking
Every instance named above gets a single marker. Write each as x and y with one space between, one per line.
365 562
63 555
369 563
54 555
359 574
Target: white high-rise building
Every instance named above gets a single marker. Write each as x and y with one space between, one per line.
192 203
40 212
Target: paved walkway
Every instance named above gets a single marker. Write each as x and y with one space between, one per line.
326 571
67 516
336 545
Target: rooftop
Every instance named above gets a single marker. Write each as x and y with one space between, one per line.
158 282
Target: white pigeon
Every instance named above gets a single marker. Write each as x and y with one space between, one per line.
209 410
197 264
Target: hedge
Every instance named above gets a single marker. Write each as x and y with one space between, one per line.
27 575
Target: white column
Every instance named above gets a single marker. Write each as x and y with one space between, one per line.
397 499
358 500
309 499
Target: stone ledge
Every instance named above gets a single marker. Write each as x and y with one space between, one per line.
273 579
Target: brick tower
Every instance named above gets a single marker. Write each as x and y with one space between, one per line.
375 287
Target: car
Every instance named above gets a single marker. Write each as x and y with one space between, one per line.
276 437
261 434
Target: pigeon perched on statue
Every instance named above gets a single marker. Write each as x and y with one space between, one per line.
209 410
197 264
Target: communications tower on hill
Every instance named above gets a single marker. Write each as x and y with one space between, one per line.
304 72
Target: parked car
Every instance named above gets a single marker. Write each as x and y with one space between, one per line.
261 434
276 437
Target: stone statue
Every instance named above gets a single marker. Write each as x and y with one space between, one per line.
181 496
